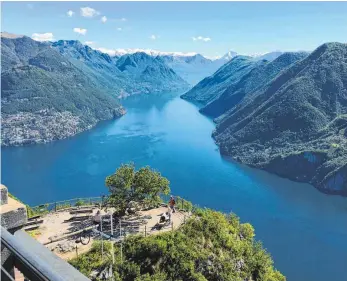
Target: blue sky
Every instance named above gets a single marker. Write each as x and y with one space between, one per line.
206 27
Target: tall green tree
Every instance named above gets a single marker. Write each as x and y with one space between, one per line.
143 186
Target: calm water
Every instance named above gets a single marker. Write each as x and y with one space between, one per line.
305 230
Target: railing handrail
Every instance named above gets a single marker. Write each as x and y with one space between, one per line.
62 201
87 201
35 261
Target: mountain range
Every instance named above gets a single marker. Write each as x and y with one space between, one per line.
125 75
210 88
53 90
151 74
45 97
192 67
262 72
287 116
282 112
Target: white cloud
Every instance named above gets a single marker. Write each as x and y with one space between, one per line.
119 29
89 43
200 38
81 31
89 12
153 37
104 19
43 36
123 19
70 13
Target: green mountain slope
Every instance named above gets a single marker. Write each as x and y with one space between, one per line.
150 74
296 125
210 88
45 97
255 79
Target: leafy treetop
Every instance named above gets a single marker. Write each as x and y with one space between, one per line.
142 186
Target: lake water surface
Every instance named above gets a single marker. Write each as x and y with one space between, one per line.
304 230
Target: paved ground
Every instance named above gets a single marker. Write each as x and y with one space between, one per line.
57 225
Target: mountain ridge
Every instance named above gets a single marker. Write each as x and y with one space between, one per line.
296 126
262 73
53 90
45 97
210 88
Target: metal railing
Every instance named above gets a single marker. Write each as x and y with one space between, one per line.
34 260
99 201
181 203
66 204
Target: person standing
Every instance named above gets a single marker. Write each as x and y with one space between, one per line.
172 204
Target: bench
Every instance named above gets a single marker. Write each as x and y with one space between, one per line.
33 227
33 223
81 211
34 218
78 218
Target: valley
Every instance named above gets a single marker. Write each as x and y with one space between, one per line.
174 141
291 219
282 112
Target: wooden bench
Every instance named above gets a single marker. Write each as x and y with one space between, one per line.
34 218
81 211
33 227
78 218
33 223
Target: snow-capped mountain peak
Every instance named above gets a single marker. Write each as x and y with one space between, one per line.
121 52
229 55
270 56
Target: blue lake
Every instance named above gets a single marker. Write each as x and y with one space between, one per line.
304 230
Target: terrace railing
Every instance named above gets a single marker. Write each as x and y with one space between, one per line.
33 260
98 201
67 204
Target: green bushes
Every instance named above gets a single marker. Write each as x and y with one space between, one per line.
183 204
210 246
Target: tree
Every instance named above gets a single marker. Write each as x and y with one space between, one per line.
143 186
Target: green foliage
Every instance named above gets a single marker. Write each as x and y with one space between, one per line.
81 202
183 204
62 206
143 186
40 210
210 246
34 233
247 231
93 260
